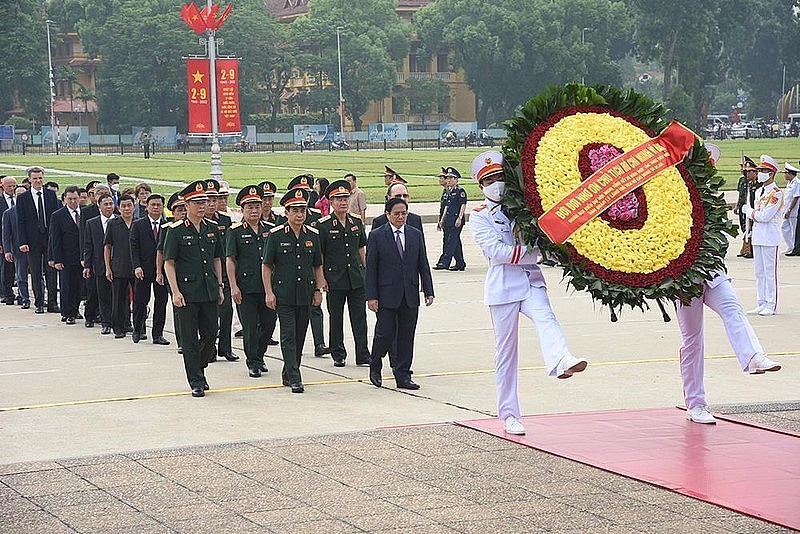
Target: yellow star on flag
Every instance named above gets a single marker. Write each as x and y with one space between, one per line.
198 76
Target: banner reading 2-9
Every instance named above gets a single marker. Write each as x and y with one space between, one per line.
199 92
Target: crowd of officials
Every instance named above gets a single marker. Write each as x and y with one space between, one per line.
127 253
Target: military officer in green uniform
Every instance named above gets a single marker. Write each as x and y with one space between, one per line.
225 311
343 241
268 190
293 281
306 181
177 206
245 251
192 263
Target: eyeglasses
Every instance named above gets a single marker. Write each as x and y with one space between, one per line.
400 196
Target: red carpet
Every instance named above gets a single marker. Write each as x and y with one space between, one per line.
748 469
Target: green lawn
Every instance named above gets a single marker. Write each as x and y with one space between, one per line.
419 167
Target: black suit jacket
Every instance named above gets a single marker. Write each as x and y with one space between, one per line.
64 236
88 212
388 278
412 219
118 236
28 218
4 206
143 247
10 233
93 243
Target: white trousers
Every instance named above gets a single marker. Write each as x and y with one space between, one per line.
741 336
505 318
788 227
766 262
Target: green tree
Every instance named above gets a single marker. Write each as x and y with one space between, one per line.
23 65
142 79
425 95
373 42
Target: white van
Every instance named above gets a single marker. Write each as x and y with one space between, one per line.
792 128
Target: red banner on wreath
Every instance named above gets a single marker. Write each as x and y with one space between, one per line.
199 82
228 96
614 180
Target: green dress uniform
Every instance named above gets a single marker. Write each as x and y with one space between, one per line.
315 313
194 252
225 310
245 246
162 237
344 273
293 258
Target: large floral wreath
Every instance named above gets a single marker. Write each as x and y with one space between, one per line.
658 242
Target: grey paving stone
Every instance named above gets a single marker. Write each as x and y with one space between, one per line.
93 460
328 526
453 514
146 497
510 525
410 520
118 473
432 499
283 516
47 482
396 489
745 525
228 523
73 498
13 469
101 516
184 511
267 499
359 475
34 522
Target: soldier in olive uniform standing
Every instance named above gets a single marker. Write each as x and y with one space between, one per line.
293 281
177 206
306 181
343 242
192 262
225 312
268 190
245 250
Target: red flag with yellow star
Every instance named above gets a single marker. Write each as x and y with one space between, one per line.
199 82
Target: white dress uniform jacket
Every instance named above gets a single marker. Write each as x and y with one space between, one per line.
766 216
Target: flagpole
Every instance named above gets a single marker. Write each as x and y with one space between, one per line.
216 158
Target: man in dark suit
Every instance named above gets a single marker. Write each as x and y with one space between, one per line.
34 209
399 190
65 248
119 270
94 265
12 253
396 262
7 201
144 238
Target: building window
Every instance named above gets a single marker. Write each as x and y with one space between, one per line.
442 64
398 106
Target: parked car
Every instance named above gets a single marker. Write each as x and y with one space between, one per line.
744 130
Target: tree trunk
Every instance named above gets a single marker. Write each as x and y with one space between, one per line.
669 62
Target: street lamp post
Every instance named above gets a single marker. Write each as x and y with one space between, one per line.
48 22
341 98
583 42
216 158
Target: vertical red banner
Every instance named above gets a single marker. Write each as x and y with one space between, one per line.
228 96
199 83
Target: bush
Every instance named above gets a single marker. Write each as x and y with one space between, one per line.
21 123
284 122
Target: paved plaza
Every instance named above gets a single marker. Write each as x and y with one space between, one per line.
103 435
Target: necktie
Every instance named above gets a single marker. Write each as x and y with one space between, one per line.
12 202
155 231
398 242
40 207
76 217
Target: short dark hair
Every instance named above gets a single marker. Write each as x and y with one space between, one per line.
155 196
112 176
104 195
123 198
35 168
392 202
351 175
49 185
72 189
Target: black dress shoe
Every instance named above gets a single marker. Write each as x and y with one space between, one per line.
142 336
407 384
119 335
63 318
79 316
27 305
135 337
39 309
338 363
263 368
105 330
160 341
128 329
375 378
440 267
180 350
363 362
254 373
70 320
457 268
9 302
297 387
321 350
239 333
206 387
230 357
198 392
89 324
272 342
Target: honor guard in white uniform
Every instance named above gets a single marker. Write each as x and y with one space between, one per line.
514 285
791 198
766 236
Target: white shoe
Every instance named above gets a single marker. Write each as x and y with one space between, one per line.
513 426
766 312
568 365
760 364
699 414
756 310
